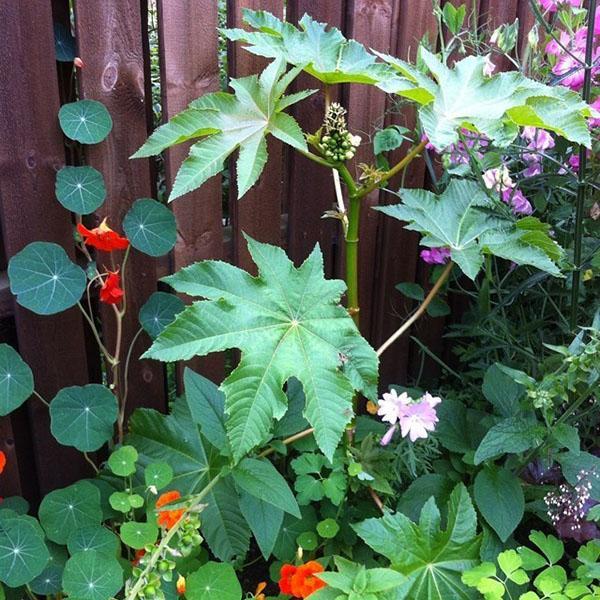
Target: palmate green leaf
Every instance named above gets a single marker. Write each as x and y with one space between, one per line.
230 121
324 53
460 219
176 439
495 106
288 323
16 380
433 558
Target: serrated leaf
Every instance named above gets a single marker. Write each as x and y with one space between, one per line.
227 122
288 323
323 53
92 576
85 121
83 416
99 539
66 510
16 380
264 520
44 278
499 497
80 189
150 227
213 580
176 439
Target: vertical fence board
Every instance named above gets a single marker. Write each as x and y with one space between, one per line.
31 150
189 69
311 190
110 44
258 213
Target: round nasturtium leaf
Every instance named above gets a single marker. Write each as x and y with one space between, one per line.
16 380
83 416
92 575
49 581
328 529
122 461
23 553
86 121
64 43
213 580
16 504
119 501
138 535
159 311
136 501
44 279
158 474
80 189
150 227
66 510
308 540
97 538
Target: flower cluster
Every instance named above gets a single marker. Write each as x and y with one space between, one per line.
436 256
415 417
499 180
301 582
337 143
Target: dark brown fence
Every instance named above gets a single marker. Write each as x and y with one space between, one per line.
284 208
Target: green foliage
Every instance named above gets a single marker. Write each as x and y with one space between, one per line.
16 380
431 557
213 580
80 189
230 121
99 539
159 311
122 461
85 121
318 478
288 323
138 535
44 279
158 474
461 220
150 227
92 575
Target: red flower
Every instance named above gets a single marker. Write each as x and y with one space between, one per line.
138 555
102 237
181 585
301 582
111 291
169 518
2 461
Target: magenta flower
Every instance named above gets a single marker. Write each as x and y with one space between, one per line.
498 180
539 139
552 5
489 67
595 121
435 256
517 201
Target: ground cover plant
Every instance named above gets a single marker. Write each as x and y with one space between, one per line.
298 476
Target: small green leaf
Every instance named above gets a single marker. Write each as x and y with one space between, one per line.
567 437
411 290
80 189
389 139
308 540
122 461
23 554
158 474
287 544
551 546
328 529
138 535
159 311
83 416
69 509
213 580
438 308
99 539
473 576
119 501
136 501
499 497
502 391
86 121
92 575
44 278
150 227
16 380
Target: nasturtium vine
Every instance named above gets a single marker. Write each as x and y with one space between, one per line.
288 323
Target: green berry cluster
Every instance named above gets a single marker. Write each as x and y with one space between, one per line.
337 143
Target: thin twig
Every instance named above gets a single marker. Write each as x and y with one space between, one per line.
40 398
287 441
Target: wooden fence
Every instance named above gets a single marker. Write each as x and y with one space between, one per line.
284 208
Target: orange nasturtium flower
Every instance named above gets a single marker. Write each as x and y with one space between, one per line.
169 518
111 291
301 582
102 237
2 461
260 588
181 585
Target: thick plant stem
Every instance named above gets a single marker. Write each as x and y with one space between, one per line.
352 258
420 311
287 441
581 175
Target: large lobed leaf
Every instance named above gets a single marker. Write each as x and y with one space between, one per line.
324 53
461 220
288 323
227 122
434 559
463 96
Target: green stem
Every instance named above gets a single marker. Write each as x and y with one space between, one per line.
352 258
315 158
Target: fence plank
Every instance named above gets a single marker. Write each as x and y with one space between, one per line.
259 212
110 44
189 69
311 190
31 150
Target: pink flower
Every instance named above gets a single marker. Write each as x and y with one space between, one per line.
389 407
498 180
539 139
435 256
489 67
552 5
517 201
534 166
595 121
553 47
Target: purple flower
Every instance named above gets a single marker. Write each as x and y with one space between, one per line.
517 201
389 407
539 139
435 256
498 180
595 121
552 5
